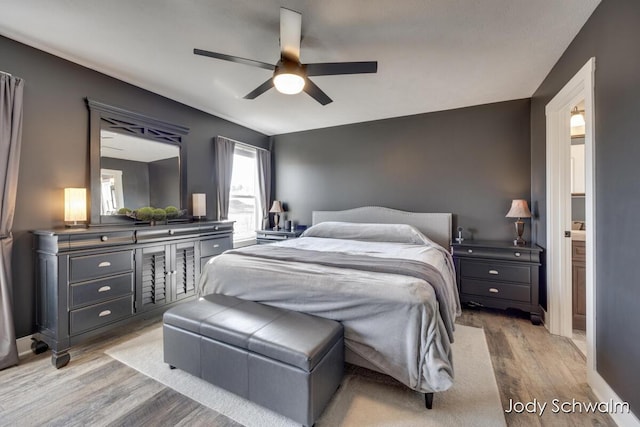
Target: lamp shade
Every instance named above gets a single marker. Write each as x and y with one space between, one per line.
276 207
519 209
199 204
75 204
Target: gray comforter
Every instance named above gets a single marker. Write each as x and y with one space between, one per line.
397 313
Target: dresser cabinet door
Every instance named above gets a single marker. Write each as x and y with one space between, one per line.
184 272
152 277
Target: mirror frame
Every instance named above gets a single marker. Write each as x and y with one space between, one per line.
124 121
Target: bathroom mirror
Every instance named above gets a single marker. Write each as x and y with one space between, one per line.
136 161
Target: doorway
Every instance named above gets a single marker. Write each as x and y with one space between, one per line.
559 222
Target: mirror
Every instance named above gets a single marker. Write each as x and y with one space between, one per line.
136 161
137 172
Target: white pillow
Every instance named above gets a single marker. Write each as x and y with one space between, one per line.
395 233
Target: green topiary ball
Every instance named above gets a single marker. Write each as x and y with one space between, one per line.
159 214
124 211
144 214
172 212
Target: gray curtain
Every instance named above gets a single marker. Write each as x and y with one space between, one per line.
224 167
11 89
264 183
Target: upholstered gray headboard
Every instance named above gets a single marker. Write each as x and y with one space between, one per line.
436 226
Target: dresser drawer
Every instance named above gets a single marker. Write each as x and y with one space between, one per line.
108 238
99 290
495 271
96 266
212 247
98 315
515 254
495 290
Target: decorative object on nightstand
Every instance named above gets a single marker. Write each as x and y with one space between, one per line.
199 206
519 209
460 239
75 206
276 209
497 275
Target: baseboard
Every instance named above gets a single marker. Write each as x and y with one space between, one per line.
24 345
605 393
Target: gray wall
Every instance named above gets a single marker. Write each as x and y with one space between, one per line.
55 147
470 161
611 35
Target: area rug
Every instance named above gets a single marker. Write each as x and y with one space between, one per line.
365 398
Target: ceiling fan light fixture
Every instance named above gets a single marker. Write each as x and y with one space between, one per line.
289 77
289 84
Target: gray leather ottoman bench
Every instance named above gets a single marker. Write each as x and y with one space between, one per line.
286 361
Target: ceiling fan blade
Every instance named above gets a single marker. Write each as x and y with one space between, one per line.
316 93
335 68
236 59
290 33
260 89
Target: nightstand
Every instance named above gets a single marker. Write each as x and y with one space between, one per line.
270 236
498 275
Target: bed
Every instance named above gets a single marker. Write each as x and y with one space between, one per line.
385 274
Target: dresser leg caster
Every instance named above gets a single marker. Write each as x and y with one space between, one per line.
60 360
536 319
428 400
38 347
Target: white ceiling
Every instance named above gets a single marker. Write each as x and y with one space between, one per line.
432 54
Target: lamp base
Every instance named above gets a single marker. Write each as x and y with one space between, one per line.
75 224
519 241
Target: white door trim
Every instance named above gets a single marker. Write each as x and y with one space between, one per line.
558 256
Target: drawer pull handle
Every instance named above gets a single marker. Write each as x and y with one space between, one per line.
216 245
216 228
517 254
171 232
104 289
104 264
493 290
104 238
104 313
470 251
494 272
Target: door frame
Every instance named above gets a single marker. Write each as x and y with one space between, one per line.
558 186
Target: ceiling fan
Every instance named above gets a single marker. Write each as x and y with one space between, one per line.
289 75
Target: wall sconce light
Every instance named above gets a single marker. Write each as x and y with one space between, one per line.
577 118
75 206
519 209
199 205
276 209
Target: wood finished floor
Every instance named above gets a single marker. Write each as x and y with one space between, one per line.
95 389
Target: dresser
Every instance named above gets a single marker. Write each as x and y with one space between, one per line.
270 236
498 275
89 281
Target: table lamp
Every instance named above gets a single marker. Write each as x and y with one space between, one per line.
276 209
519 209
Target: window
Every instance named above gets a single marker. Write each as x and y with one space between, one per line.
244 197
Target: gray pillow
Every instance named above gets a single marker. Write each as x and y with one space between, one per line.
395 233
